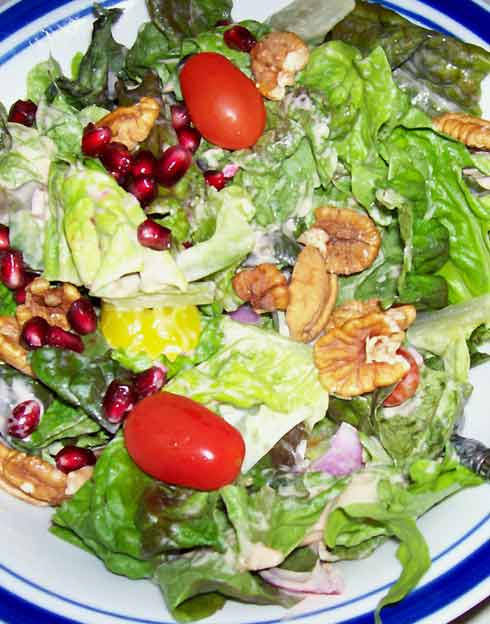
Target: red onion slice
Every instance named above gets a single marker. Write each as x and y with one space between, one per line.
245 314
322 580
344 455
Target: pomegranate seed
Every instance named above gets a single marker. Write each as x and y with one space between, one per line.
12 271
94 139
4 237
187 244
61 339
149 381
172 165
34 332
239 38
144 189
223 22
118 400
73 458
153 235
215 178
24 418
23 112
116 158
143 164
180 116
189 138
81 316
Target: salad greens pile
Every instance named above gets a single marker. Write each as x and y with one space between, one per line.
355 130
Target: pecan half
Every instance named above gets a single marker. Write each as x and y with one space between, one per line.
31 478
276 59
11 351
264 286
352 242
403 315
361 354
35 480
312 295
132 124
50 302
472 131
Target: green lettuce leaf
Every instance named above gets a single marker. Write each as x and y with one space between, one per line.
104 57
7 301
102 514
232 240
78 379
270 523
64 124
40 77
445 333
200 572
260 382
438 72
96 221
186 18
421 427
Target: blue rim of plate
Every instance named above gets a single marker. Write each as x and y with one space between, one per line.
420 603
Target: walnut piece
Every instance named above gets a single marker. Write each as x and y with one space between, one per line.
50 302
31 478
312 295
472 131
131 125
276 59
352 242
264 286
11 351
360 355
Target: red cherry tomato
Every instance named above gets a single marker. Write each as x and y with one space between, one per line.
224 104
181 442
407 386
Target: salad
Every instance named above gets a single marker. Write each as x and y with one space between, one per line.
245 272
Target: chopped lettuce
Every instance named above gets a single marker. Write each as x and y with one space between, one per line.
260 382
40 77
96 222
230 210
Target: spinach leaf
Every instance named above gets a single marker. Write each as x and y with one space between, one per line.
78 379
105 57
186 18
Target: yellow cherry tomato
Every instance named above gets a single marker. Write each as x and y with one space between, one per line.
169 330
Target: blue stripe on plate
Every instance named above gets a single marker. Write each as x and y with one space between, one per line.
422 602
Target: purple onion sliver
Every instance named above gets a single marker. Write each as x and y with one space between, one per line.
344 455
245 314
322 580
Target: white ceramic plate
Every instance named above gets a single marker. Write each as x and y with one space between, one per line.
45 580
